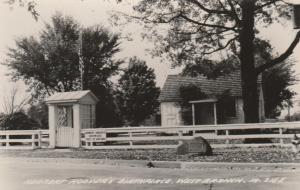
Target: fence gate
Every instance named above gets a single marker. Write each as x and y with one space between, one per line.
65 128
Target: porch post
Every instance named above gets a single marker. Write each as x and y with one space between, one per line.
215 114
193 113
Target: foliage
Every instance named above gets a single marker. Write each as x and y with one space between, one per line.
197 30
50 63
98 49
17 121
107 112
39 113
29 4
277 95
201 28
275 81
138 93
294 117
188 93
211 68
12 103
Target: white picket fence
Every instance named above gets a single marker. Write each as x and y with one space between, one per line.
24 139
157 137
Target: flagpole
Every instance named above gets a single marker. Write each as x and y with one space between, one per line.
81 65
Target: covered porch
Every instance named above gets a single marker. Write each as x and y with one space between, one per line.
204 112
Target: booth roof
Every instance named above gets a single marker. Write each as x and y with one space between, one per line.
73 96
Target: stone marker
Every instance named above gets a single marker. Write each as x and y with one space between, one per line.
198 145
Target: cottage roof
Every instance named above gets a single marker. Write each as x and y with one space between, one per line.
211 87
67 97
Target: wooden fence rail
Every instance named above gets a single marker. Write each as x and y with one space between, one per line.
159 137
23 139
218 135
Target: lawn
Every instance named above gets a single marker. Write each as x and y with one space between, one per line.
252 155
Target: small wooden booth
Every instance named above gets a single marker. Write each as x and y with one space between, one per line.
69 112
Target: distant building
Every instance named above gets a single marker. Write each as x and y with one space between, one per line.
208 110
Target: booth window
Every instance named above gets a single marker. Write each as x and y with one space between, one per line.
88 116
65 116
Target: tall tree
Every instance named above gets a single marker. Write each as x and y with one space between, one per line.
50 63
275 81
277 94
138 93
196 29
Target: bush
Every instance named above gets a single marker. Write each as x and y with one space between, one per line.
17 121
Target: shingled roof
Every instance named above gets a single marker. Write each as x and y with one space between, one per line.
211 87
73 96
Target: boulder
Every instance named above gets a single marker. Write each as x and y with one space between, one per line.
198 145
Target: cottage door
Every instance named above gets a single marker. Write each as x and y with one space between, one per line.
64 127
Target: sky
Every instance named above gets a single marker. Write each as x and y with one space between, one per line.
17 21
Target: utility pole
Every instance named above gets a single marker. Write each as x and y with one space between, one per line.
81 63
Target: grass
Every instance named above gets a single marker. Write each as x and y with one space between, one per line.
252 155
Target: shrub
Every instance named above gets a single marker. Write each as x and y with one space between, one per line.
17 121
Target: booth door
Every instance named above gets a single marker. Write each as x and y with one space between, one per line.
64 127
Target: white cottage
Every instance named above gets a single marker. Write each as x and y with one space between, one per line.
69 112
205 111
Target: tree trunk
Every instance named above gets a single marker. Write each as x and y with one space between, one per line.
249 77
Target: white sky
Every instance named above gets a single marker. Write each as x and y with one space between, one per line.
19 22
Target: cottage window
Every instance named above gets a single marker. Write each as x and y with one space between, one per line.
230 108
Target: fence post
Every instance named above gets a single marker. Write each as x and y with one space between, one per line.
39 139
179 136
281 139
130 142
82 139
33 140
7 140
92 143
227 138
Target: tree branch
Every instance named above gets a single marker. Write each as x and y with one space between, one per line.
221 47
204 24
235 15
215 11
266 4
220 2
281 58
